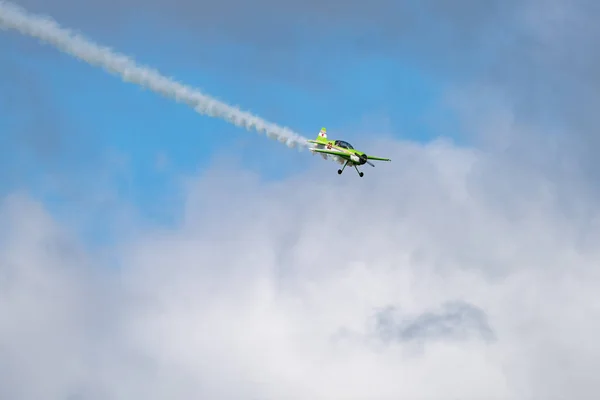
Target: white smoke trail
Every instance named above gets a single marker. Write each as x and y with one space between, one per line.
48 30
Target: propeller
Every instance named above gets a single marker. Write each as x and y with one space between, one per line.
364 158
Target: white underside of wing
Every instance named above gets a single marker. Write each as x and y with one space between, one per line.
327 156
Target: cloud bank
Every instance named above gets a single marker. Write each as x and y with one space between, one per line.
419 283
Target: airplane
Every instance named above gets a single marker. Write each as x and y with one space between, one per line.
342 151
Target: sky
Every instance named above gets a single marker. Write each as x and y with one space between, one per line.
150 251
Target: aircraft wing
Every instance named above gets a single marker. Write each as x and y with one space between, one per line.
378 158
325 151
329 153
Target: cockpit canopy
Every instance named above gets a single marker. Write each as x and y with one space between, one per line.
344 145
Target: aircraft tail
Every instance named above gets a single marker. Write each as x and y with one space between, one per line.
320 142
322 138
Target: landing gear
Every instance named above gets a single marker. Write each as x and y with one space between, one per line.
361 174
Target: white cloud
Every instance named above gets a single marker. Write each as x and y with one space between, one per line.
275 290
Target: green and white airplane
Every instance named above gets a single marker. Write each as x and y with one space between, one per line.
342 151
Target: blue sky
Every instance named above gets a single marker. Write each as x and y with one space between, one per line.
157 140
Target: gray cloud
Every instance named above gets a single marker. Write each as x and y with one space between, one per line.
456 320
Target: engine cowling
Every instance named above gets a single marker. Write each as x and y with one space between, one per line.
354 158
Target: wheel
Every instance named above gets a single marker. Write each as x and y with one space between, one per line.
361 174
339 171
